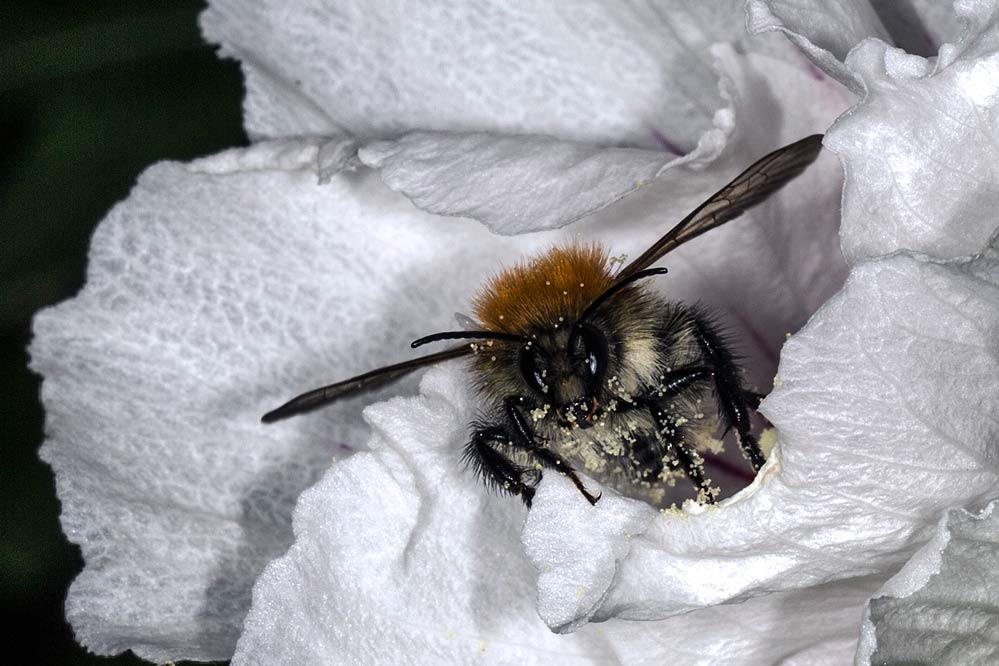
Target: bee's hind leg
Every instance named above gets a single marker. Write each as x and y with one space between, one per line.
732 397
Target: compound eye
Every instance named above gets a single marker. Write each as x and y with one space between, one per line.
532 372
591 350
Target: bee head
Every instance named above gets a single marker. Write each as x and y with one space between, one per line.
562 359
566 368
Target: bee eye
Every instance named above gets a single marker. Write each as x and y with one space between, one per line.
591 350
533 375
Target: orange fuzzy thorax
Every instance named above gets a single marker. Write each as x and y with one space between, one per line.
559 283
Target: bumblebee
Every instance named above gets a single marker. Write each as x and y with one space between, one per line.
581 368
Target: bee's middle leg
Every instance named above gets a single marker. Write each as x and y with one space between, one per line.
681 455
524 436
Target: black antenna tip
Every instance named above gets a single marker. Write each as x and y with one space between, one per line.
289 408
271 416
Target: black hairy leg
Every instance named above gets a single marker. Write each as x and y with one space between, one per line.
483 454
680 455
753 399
733 399
524 437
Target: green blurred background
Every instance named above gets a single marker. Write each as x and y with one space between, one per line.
90 94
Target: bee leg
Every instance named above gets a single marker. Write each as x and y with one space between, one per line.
483 454
525 438
676 382
728 387
753 399
680 455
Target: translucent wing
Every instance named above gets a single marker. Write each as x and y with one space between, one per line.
749 188
322 396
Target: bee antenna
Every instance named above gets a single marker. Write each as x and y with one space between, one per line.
616 287
464 335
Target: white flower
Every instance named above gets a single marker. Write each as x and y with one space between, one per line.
223 286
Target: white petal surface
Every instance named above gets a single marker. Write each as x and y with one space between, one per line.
402 557
520 183
886 413
215 292
824 31
942 608
516 183
624 74
921 26
920 151
827 31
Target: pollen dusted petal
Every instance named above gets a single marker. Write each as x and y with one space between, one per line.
536 293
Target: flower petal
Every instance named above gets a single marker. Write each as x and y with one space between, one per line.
519 183
400 556
515 184
921 26
378 71
886 414
214 291
942 607
826 32
920 151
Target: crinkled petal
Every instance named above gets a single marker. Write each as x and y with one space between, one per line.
887 412
401 556
920 151
921 26
942 608
824 31
214 292
514 183
620 74
517 183
222 287
827 31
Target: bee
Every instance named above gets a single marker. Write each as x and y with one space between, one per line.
579 367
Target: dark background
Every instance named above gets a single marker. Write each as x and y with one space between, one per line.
91 93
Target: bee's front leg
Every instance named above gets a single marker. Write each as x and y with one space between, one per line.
485 454
524 437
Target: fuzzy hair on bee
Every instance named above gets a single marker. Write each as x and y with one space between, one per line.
581 369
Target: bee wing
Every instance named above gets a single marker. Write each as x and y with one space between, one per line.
752 186
326 394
